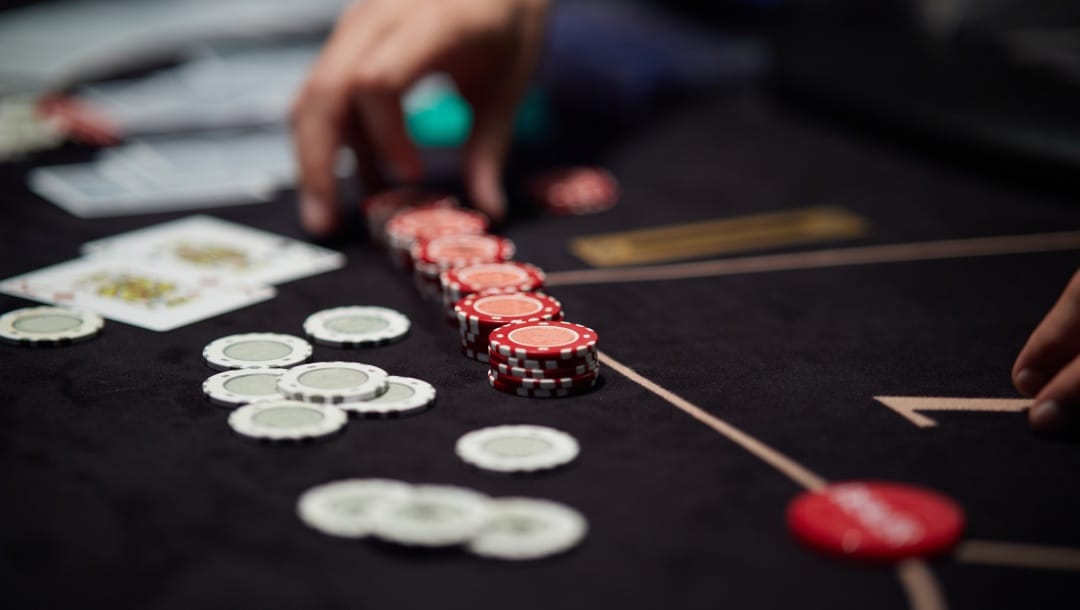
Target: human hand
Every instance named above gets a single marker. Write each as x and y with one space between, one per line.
352 96
1048 368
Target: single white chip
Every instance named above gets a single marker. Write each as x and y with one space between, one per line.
432 516
356 326
403 396
343 508
236 388
49 326
526 528
286 420
256 351
333 382
517 448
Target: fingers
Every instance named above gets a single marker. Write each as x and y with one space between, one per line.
316 130
495 108
384 123
1054 344
1055 408
321 116
378 49
379 81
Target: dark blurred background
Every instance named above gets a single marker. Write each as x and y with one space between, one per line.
991 85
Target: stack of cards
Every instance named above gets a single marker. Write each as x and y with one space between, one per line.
170 275
169 173
231 88
52 45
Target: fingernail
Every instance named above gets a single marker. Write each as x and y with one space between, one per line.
1030 381
314 216
1049 418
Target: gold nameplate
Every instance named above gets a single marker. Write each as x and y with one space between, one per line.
722 236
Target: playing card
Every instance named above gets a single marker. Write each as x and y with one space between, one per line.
212 248
259 152
101 189
153 297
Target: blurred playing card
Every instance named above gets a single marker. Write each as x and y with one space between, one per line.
236 88
170 173
52 45
93 190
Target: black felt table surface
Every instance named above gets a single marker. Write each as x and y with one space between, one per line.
123 488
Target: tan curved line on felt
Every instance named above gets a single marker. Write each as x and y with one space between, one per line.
1018 555
839 257
920 585
794 471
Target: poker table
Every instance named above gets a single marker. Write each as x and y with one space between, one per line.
727 391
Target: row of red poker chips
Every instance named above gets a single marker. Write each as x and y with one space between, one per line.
432 257
553 358
867 520
478 315
575 190
489 278
426 222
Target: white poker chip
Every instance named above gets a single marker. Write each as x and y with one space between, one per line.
526 528
49 326
344 508
517 448
286 420
239 387
333 382
356 326
403 396
256 350
432 516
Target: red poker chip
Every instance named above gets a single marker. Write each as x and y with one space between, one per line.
474 354
482 314
545 364
476 340
428 222
564 340
517 371
532 393
510 276
876 521
575 190
586 379
380 207
459 250
79 120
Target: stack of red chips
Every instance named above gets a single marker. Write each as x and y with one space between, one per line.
480 314
488 278
545 359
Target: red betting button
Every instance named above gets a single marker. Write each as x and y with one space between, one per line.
876 521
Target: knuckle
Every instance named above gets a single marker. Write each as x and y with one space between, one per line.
372 78
322 89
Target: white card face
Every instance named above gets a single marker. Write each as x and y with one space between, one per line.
95 190
211 248
155 298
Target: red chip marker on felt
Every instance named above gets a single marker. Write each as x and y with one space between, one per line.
876 521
